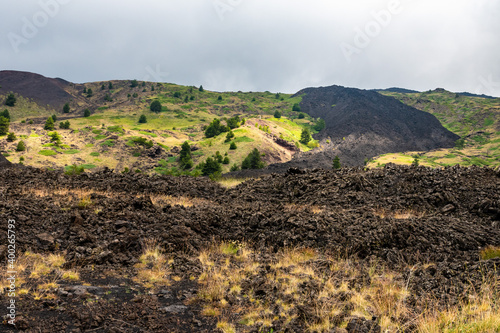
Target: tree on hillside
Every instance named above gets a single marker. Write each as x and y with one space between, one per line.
86 113
134 83
21 146
233 122
4 125
143 119
185 156
229 136
155 106
54 118
11 137
277 96
11 100
66 108
64 125
277 114
110 85
55 138
201 89
90 93
215 128
49 124
210 166
336 163
253 160
305 136
103 87
320 125
296 107
301 115
219 98
232 146
5 114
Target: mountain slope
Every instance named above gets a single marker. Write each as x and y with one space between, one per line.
361 124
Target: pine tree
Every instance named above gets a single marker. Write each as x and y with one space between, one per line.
201 89
110 85
226 160
21 146
49 124
277 114
229 136
155 106
305 136
55 138
86 113
185 156
336 163
11 100
143 119
5 114
253 160
11 137
66 108
210 167
232 146
4 126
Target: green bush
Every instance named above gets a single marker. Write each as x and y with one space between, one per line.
301 115
305 136
277 114
232 146
86 113
143 142
74 170
155 106
336 163
185 156
21 146
49 124
11 137
296 107
143 119
4 125
253 161
94 153
66 108
11 100
6 114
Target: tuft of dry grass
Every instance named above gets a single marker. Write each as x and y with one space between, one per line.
38 274
153 268
490 252
162 200
231 182
313 209
398 215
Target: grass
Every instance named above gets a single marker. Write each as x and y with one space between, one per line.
153 267
490 252
231 182
47 152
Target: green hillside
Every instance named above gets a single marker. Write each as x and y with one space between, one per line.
475 119
112 135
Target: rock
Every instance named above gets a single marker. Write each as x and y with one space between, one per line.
45 240
361 325
174 309
448 209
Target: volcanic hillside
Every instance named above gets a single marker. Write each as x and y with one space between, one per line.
364 123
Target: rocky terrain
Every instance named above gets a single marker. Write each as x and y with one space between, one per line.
320 251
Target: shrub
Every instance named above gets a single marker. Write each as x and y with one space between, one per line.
185 156
55 138
210 167
177 94
219 98
47 152
143 142
11 100
5 114
143 119
21 146
155 106
49 124
301 115
320 125
234 167
64 125
253 161
90 93
225 160
86 113
134 83
74 170
336 163
232 146
66 108
11 137
108 98
4 125
277 114
305 136
296 107
110 85
229 136
415 161
215 128
201 89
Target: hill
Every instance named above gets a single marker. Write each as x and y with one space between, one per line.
475 119
111 136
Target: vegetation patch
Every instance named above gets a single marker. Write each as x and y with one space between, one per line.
47 152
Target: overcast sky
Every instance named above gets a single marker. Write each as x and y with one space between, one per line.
258 45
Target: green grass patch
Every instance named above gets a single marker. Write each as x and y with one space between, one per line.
47 152
116 129
95 154
89 145
71 151
147 133
97 131
243 139
100 137
48 145
108 143
88 166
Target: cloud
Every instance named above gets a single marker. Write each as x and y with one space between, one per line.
257 45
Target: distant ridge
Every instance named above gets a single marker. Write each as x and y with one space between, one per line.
398 90
476 95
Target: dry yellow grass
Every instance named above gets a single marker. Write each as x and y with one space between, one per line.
313 209
399 215
231 182
153 268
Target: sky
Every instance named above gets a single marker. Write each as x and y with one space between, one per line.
259 45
